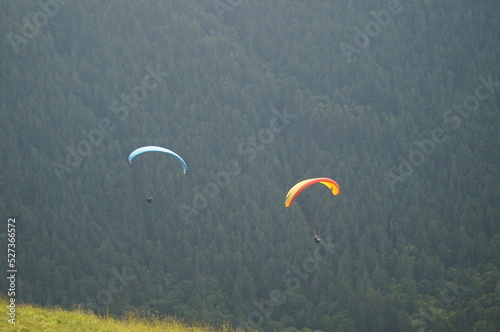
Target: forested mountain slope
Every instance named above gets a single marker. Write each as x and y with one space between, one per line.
396 101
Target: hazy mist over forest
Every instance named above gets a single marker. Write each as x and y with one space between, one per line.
397 101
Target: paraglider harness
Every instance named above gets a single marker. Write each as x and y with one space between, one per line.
149 199
317 239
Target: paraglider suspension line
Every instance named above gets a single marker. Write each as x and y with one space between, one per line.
321 225
311 228
160 188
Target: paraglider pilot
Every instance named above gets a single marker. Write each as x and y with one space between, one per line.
149 199
317 239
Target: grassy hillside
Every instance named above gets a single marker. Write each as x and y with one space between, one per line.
35 318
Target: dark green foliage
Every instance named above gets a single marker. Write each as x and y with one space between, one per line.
256 96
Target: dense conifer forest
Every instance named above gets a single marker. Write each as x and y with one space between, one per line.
398 101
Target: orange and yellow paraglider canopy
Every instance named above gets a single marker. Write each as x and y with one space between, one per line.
297 189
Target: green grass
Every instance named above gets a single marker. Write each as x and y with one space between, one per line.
36 319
